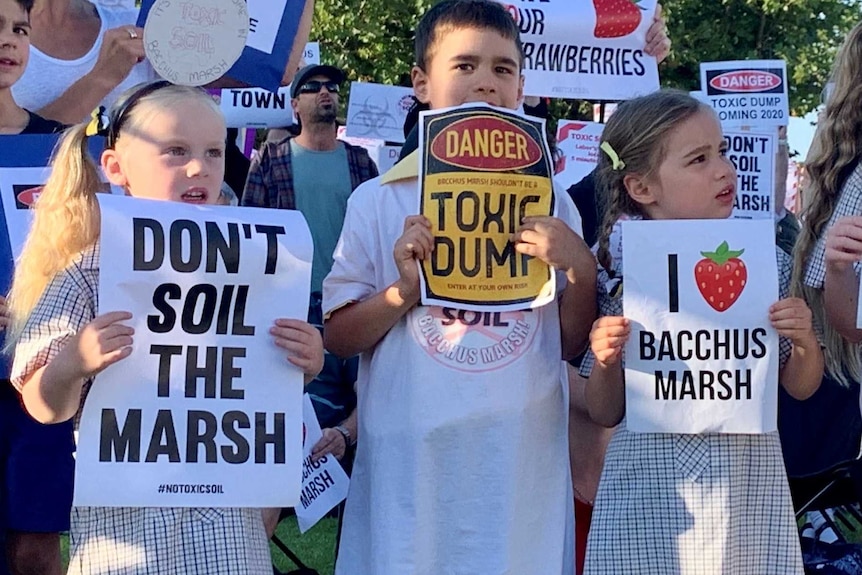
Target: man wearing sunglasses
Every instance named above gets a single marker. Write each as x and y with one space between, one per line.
315 173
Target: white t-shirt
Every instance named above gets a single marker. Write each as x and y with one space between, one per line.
462 463
47 78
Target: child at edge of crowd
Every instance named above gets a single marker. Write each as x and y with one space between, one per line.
15 50
707 503
163 142
829 249
463 464
37 463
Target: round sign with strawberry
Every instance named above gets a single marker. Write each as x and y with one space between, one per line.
721 276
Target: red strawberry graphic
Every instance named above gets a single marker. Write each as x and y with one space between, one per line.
721 277
616 18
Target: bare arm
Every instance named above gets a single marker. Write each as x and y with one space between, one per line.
118 55
551 240
803 371
578 306
605 389
841 297
358 327
52 393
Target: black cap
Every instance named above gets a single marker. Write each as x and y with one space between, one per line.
311 70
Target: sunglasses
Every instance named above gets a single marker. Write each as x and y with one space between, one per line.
314 86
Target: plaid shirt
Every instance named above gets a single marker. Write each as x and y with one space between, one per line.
270 177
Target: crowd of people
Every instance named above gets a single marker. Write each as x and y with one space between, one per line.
492 470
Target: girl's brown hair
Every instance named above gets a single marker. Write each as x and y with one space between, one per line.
636 132
834 154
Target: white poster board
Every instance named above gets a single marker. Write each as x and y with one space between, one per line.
586 50
264 21
259 108
378 111
753 155
324 483
206 411
747 92
20 187
579 144
702 355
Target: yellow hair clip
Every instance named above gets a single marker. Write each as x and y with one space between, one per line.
616 162
98 124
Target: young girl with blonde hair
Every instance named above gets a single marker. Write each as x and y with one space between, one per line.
829 248
675 503
163 142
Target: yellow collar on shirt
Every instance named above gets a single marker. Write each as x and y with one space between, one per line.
404 170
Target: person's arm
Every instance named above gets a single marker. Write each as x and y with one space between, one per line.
605 389
578 304
52 393
841 284
357 327
657 40
551 240
334 441
119 53
802 373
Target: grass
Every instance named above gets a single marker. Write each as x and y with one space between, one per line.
315 547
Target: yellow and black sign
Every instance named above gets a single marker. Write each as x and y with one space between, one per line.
482 171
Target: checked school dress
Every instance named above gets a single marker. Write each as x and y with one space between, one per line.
140 540
704 504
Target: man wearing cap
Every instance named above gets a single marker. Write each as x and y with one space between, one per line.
315 173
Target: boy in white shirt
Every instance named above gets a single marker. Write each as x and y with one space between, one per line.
463 462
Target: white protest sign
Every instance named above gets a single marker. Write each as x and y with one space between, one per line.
264 21
20 187
259 108
324 483
206 411
747 92
579 144
195 42
702 355
385 157
24 169
378 111
586 50
753 155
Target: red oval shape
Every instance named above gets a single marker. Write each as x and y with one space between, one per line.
746 81
485 143
29 196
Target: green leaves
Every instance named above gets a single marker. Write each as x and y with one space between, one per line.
722 254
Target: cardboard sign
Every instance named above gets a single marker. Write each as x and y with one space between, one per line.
378 111
482 170
702 355
259 108
586 50
753 155
578 143
324 483
747 92
195 42
271 27
207 410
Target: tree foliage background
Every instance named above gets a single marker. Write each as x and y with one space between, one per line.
372 40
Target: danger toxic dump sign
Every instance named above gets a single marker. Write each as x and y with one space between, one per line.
484 170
